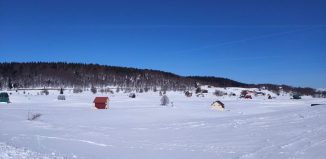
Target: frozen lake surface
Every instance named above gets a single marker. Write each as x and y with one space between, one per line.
141 128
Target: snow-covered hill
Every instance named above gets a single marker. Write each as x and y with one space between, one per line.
142 128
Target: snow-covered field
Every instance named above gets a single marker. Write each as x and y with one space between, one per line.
141 128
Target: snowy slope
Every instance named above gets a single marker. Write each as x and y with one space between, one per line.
141 128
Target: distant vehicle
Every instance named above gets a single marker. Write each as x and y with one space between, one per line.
296 96
132 95
248 97
204 91
232 94
188 94
4 97
200 95
260 93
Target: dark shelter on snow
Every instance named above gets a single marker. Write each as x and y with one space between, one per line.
4 97
101 102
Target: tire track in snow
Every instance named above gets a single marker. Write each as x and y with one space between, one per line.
75 140
296 146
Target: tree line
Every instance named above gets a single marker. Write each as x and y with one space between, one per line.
78 75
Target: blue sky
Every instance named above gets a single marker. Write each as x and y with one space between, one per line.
252 41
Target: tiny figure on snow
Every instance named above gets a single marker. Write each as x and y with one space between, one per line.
61 91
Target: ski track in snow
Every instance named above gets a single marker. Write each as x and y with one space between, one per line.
75 140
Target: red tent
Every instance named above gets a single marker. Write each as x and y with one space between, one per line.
101 102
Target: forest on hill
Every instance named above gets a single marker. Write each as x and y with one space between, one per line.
71 75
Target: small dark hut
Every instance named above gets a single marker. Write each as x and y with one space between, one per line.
132 95
4 97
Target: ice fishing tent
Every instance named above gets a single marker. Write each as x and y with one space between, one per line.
61 97
217 105
101 102
165 100
4 97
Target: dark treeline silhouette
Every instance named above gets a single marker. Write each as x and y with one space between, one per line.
295 90
218 82
62 74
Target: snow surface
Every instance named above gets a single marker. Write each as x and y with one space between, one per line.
141 128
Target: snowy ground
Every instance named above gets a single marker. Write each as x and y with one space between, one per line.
141 128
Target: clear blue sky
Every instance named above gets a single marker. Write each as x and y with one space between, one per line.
253 41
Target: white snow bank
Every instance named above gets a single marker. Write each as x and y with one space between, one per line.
10 152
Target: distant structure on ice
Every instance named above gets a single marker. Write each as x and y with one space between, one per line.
61 96
4 97
101 102
218 105
165 100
